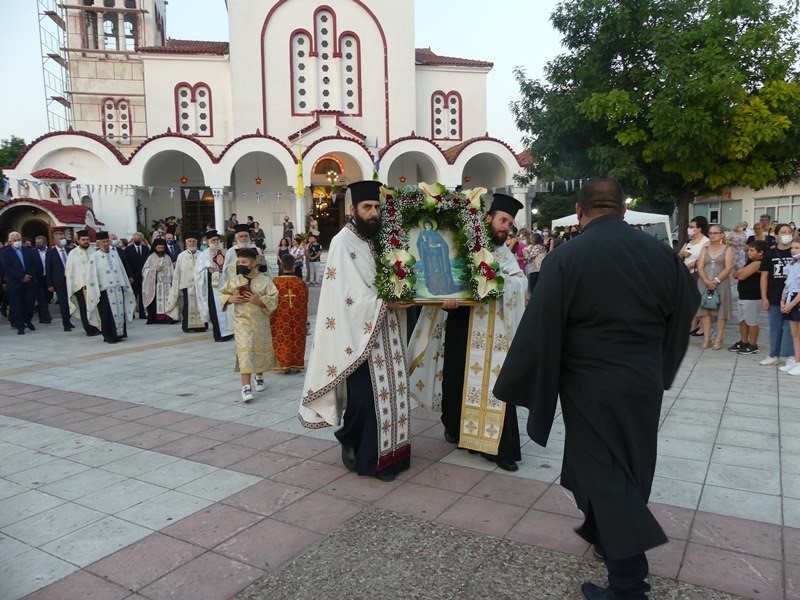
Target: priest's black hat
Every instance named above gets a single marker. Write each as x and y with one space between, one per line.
159 242
102 235
242 227
192 235
365 190
81 233
505 203
210 234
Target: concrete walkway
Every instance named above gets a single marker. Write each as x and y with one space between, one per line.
131 471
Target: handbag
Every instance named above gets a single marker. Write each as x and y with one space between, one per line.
710 300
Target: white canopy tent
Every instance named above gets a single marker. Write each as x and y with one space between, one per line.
652 223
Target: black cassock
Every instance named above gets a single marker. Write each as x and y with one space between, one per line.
606 329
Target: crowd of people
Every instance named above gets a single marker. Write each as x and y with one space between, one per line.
106 285
758 266
560 331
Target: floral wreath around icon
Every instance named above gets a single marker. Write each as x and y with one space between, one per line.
461 212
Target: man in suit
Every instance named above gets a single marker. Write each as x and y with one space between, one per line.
55 275
136 254
173 247
43 296
20 267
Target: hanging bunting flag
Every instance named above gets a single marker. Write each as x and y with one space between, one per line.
150 189
186 193
6 186
60 187
377 163
230 195
78 190
244 195
37 185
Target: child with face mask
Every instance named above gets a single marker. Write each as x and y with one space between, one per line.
790 302
253 296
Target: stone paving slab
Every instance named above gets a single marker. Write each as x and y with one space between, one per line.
382 555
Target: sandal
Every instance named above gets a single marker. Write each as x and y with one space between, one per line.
717 345
705 344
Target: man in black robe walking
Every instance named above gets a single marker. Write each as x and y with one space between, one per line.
606 331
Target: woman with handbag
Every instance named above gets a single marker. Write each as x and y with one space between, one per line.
714 266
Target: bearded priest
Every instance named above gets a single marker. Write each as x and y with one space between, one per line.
457 351
208 281
358 356
156 283
109 297
183 291
241 240
76 269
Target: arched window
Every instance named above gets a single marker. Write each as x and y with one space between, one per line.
193 109
446 114
110 31
130 23
117 120
324 46
302 100
350 50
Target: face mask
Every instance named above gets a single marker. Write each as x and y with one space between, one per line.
796 256
203 246
242 270
137 242
171 242
63 242
17 245
691 231
545 234
115 243
40 246
786 239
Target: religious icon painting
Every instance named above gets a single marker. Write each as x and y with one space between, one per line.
439 266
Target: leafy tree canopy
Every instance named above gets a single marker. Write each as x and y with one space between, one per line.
676 98
10 149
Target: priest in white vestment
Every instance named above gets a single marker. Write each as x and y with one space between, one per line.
208 281
109 297
358 357
241 239
456 353
75 273
183 293
156 284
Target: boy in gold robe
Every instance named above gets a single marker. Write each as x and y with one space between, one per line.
253 296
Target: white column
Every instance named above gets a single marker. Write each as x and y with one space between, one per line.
521 194
219 210
131 210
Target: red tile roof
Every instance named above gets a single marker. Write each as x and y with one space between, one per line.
188 47
425 56
65 215
52 174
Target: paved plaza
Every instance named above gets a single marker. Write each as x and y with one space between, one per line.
132 471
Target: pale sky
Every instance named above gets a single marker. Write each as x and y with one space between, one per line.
508 33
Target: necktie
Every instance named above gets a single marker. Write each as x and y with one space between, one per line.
63 257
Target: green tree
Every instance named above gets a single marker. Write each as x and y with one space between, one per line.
676 98
9 151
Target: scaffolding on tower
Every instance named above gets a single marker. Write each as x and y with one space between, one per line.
55 63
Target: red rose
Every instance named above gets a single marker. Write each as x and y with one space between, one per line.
392 212
476 247
438 198
401 273
472 210
490 274
398 263
389 197
477 228
394 242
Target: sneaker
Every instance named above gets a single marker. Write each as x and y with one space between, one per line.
748 349
786 368
770 360
790 361
737 346
795 370
260 387
247 393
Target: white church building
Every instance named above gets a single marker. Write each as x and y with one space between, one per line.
305 98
